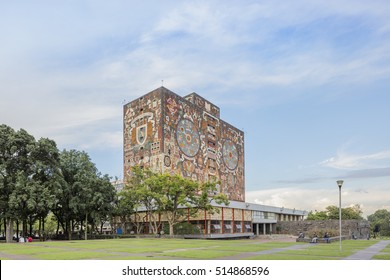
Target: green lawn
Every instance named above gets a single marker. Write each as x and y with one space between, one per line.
384 255
152 248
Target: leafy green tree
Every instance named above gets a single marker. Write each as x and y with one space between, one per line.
101 204
332 213
380 220
66 201
45 175
148 193
15 172
317 215
175 197
126 204
84 195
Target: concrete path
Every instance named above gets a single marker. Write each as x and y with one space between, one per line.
369 252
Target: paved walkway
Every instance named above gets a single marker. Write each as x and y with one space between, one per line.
369 252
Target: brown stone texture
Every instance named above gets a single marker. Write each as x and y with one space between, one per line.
169 133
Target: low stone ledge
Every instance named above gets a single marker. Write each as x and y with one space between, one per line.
321 240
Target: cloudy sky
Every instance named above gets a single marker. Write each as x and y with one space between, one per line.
307 81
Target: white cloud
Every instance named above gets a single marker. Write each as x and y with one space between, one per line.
370 199
65 70
352 162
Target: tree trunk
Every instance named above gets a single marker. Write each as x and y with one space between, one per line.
68 230
17 230
43 228
170 229
31 225
39 228
9 230
86 226
58 227
24 227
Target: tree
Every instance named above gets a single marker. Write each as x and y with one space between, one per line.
100 206
126 204
148 194
83 192
380 220
36 179
317 215
15 172
173 196
45 175
332 213
177 195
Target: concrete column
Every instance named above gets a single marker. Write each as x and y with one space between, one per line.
257 229
264 229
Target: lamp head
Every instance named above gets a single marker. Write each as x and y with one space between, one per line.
340 183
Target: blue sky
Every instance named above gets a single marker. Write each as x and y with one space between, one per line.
307 81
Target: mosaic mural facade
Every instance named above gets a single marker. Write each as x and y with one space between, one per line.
168 133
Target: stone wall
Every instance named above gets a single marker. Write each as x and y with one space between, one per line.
356 227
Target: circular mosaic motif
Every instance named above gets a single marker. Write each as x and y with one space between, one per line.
230 154
187 136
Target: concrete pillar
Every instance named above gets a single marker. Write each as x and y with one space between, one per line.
264 229
257 229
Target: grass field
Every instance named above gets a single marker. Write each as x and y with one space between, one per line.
166 249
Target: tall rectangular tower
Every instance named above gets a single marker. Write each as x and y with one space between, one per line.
169 133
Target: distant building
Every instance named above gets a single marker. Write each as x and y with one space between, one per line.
118 185
169 133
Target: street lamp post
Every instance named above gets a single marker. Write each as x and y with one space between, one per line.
340 184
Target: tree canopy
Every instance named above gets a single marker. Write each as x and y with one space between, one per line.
332 213
35 179
380 222
173 195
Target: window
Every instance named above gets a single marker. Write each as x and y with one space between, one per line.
215 227
248 227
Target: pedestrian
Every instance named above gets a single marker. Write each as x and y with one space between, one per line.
314 239
326 237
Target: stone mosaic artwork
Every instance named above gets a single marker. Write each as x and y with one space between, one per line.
187 136
168 133
230 154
